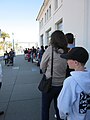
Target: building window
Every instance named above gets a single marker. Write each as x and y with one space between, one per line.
45 18
48 36
41 39
56 4
47 14
41 23
61 1
59 25
50 11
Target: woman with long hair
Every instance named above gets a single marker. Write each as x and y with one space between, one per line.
59 45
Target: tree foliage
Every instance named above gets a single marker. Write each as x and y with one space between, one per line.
4 35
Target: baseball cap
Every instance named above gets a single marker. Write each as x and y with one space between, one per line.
79 54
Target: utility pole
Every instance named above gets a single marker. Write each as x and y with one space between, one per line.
0 32
13 40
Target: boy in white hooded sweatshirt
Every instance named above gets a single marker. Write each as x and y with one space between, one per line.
74 98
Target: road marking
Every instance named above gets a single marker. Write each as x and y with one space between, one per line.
33 69
15 68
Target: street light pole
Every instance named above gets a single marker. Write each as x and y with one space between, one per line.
0 32
13 40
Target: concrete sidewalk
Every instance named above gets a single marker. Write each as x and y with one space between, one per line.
19 95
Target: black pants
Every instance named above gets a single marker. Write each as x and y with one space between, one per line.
46 102
11 60
0 84
6 61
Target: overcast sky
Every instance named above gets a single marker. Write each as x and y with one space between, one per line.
19 17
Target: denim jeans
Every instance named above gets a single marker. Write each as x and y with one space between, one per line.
46 102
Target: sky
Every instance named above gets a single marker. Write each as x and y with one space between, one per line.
19 17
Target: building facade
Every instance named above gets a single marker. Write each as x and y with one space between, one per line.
66 15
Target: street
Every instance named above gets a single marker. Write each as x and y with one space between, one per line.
19 95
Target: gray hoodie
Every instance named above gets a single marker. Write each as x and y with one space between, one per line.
74 98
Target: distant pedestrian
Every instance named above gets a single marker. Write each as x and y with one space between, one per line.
29 55
33 54
41 52
6 57
12 54
25 54
74 98
46 47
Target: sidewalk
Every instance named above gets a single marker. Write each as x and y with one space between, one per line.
19 96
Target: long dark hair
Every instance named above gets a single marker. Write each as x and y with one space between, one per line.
58 40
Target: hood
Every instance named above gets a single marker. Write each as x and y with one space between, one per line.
83 79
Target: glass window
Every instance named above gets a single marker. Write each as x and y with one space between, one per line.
61 1
45 17
42 21
56 4
50 11
48 36
59 25
41 39
40 24
47 14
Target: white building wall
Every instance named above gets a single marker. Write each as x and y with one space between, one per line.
87 25
74 19
75 15
87 28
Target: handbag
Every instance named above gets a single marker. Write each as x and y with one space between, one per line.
46 83
5 57
0 84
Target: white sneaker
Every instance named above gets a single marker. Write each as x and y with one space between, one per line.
55 116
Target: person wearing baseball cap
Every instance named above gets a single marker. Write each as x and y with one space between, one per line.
74 98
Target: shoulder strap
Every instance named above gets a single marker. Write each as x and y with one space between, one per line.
52 64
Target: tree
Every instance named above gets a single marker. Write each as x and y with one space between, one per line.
4 35
1 45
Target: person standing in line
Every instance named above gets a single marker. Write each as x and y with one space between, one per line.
6 57
70 40
59 44
33 54
74 98
46 47
71 44
42 50
12 55
29 54
1 112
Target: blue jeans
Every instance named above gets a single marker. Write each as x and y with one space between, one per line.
46 102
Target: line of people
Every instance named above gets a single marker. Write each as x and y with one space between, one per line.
71 99
34 55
